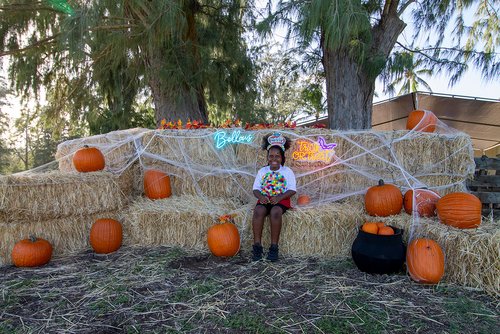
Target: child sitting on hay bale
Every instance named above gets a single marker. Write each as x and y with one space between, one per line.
273 187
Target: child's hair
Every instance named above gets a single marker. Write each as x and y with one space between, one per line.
286 146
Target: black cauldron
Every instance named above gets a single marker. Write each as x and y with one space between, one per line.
379 254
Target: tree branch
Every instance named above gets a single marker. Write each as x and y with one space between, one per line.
403 8
32 46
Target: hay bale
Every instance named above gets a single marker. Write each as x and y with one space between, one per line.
177 221
56 194
67 235
120 149
326 230
472 256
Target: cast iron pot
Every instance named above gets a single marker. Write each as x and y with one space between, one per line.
379 254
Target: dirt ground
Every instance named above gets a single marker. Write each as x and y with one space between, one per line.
169 290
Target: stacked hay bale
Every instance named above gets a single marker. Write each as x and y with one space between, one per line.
57 206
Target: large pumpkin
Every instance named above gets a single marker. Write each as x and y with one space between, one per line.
156 184
421 120
425 261
106 235
32 252
223 239
383 200
425 202
88 159
461 210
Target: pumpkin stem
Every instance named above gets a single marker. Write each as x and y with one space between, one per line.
380 182
85 146
32 238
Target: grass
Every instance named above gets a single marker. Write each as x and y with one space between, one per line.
168 290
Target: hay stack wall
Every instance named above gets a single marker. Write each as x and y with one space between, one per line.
208 182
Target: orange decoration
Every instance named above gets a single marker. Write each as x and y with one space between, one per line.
385 230
370 227
425 260
88 159
156 184
461 210
223 239
383 200
303 200
380 224
421 120
106 235
32 252
425 202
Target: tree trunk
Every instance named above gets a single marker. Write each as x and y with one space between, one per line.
349 92
349 88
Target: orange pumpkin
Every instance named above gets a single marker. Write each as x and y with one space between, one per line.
385 230
461 210
88 159
223 239
425 261
425 202
383 200
106 235
32 252
156 184
370 227
421 120
380 224
303 200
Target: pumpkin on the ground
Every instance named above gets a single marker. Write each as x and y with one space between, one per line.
303 200
156 184
421 120
383 200
425 202
370 227
223 239
461 210
88 159
32 252
106 235
425 260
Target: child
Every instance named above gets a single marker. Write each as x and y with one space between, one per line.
273 187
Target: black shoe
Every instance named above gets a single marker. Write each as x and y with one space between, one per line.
257 252
273 253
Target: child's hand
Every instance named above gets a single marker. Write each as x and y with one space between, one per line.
275 200
263 199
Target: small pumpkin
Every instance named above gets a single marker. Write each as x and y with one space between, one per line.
421 120
425 202
156 184
380 224
303 200
106 235
370 227
223 239
88 159
383 200
425 261
459 209
32 252
385 230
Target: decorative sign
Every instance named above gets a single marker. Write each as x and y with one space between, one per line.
223 138
309 151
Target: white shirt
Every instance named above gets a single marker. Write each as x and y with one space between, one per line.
272 183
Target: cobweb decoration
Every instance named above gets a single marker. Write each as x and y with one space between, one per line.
62 6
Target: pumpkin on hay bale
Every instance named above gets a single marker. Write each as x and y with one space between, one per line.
156 184
425 202
425 260
88 159
383 200
461 210
421 120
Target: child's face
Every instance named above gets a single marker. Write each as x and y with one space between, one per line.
274 158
